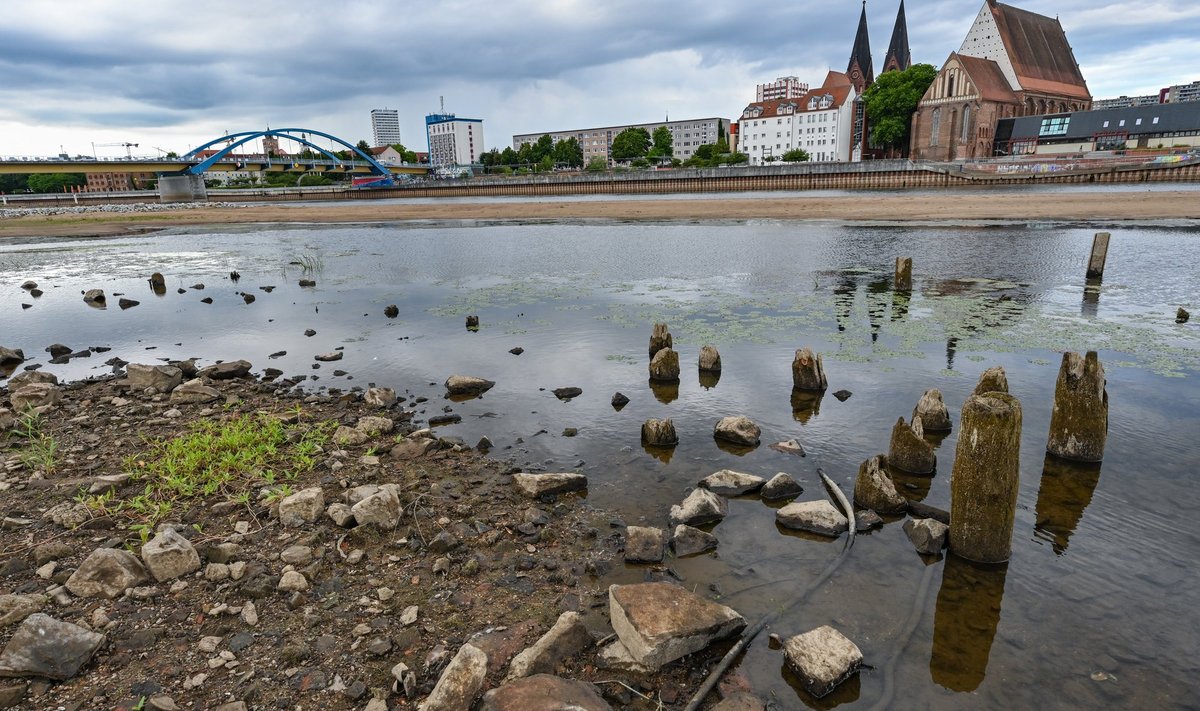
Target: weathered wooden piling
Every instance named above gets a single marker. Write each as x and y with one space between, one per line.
992 380
874 489
473 322
908 450
903 279
932 411
983 487
808 373
1099 256
710 360
1182 315
660 338
1079 423
659 433
664 366
157 283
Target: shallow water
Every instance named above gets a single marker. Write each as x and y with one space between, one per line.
1102 576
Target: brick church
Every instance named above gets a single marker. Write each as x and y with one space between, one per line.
1012 63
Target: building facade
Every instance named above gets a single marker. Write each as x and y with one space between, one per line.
385 127
1124 102
1181 93
820 122
781 88
118 182
686 136
1012 63
453 140
1154 126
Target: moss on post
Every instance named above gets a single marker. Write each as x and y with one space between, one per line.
983 487
1079 423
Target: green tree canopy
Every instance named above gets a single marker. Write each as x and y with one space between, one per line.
363 146
568 152
597 165
664 143
508 156
55 182
891 102
13 182
405 155
796 155
631 143
543 148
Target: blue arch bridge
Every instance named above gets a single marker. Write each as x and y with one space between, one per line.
182 178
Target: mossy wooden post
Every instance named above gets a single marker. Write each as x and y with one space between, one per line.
660 338
1095 268
908 450
1079 423
664 366
903 280
992 380
983 487
808 373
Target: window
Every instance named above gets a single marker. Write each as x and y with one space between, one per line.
1122 123
966 135
935 127
1056 126
1155 119
1138 122
1106 123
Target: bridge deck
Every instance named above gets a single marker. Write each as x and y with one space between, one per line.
178 166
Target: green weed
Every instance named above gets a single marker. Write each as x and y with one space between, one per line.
40 450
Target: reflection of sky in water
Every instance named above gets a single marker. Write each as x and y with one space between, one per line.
1093 553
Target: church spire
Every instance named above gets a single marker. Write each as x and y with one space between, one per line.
860 71
898 57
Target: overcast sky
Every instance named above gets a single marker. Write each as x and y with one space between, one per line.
166 75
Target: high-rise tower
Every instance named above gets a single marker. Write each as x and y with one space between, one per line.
898 58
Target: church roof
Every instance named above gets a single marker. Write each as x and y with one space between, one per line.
987 77
861 54
898 56
1041 56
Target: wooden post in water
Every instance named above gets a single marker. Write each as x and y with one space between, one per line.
1079 423
808 372
1095 268
660 338
903 280
983 487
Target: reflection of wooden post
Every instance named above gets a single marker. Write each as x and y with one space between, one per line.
1095 268
965 620
903 281
983 487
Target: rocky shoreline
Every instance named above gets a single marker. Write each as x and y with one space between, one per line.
357 583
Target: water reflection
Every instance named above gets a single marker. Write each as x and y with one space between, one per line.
665 391
914 487
709 378
951 350
900 302
739 450
965 622
1091 298
878 298
845 693
662 454
1066 490
806 404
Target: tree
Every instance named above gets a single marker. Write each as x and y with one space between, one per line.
597 165
796 155
664 143
545 164
14 182
543 148
55 182
631 143
721 132
508 156
569 153
405 155
891 102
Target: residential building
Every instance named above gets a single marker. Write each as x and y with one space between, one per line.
386 155
1012 63
1149 126
820 122
1124 102
453 140
385 127
686 136
1183 92
781 88
118 182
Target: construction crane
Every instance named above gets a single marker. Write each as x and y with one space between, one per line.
127 146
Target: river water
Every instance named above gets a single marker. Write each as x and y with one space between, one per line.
1097 608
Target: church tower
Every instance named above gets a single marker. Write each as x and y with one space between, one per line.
898 58
860 70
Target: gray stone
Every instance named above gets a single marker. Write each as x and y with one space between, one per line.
740 701
710 360
34 396
780 486
865 520
727 482
873 488
818 517
822 659
169 555
380 397
296 555
106 572
68 514
932 411
661 622
565 639
11 356
687 540
350 436
567 393
14 608
381 509
304 506
227 370
467 385
375 426
738 430
94 296
1182 315
162 378
927 536
29 377
659 433
908 450
535 485
543 692
194 392
615 656
460 683
700 506
790 446
644 544
46 647
328 357
340 514
293 581
664 366
619 400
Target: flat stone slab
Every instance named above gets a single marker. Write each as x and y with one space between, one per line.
727 482
535 485
820 517
566 638
700 506
661 622
46 647
543 692
106 572
927 536
780 486
687 540
644 544
822 658
467 385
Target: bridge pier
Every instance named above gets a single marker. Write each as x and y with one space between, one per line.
182 188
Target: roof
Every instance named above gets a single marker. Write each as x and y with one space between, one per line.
987 77
898 56
799 105
860 55
1040 54
379 150
1154 119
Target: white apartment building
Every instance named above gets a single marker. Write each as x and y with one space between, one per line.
820 122
453 140
781 88
385 126
686 136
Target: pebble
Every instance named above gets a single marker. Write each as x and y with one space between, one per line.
409 615
208 645
250 614
293 581
385 594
